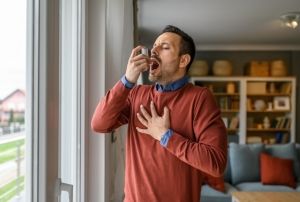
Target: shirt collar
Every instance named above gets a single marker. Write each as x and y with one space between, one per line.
172 86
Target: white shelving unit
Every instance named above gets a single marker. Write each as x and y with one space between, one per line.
238 103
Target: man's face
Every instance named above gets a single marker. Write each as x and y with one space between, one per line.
165 59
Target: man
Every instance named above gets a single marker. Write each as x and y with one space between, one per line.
175 133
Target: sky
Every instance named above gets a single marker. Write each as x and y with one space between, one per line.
12 46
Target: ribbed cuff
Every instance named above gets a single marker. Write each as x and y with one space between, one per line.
165 138
126 83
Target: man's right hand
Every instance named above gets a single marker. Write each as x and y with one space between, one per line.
137 63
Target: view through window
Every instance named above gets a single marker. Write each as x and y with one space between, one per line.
12 99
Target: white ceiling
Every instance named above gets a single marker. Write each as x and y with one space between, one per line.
222 24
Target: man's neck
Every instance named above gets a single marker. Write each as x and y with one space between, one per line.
165 83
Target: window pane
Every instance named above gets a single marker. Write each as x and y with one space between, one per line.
12 99
69 99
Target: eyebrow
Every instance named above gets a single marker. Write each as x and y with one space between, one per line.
163 43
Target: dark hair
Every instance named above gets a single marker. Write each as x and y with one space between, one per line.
187 43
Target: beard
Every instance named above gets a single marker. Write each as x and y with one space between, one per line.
164 74
154 78
160 77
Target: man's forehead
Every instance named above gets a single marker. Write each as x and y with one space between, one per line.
167 37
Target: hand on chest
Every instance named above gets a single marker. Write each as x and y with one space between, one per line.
163 115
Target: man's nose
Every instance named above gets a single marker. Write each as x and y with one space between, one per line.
154 50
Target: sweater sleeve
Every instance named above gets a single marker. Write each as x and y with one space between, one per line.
209 152
113 110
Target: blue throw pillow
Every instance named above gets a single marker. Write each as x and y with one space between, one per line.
244 162
286 151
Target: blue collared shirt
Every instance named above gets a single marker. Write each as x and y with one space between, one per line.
162 88
172 86
126 83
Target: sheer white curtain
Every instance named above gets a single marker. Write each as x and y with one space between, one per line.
110 41
119 43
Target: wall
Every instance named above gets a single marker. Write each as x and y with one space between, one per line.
295 64
240 58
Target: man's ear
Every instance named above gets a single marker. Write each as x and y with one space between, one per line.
184 60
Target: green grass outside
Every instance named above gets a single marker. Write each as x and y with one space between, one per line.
9 187
10 156
8 151
11 145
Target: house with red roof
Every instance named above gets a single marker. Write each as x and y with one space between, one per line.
12 107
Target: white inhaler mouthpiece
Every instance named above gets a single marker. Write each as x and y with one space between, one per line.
145 51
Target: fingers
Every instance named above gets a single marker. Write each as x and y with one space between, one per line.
145 113
139 62
153 112
142 120
136 56
166 112
166 115
135 51
145 131
140 57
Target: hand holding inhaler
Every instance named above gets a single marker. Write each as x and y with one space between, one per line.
139 61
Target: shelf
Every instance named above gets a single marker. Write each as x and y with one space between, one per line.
273 111
226 94
232 130
269 94
230 110
268 130
238 108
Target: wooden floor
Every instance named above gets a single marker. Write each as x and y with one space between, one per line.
266 196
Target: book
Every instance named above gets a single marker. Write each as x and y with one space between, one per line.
285 138
278 137
225 120
254 139
234 123
286 88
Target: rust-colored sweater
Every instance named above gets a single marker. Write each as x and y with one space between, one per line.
198 144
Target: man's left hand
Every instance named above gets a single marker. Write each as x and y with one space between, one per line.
156 125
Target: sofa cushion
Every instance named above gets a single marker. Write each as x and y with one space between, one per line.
287 151
298 151
216 199
244 162
257 186
209 194
298 187
272 169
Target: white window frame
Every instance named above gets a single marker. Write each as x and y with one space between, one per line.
72 81
43 112
42 118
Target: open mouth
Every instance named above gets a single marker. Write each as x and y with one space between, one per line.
155 63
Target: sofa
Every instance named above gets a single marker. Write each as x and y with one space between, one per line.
253 167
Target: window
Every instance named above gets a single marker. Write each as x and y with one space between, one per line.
72 97
12 100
